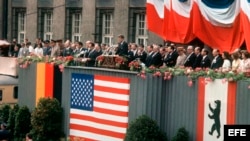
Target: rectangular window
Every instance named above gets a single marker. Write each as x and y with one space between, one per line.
107 28
21 26
48 18
76 26
1 95
141 29
15 92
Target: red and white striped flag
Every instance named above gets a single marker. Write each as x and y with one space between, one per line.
99 107
216 107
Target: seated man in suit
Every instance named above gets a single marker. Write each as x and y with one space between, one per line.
190 58
217 61
122 46
205 62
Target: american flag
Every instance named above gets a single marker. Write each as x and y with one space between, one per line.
99 107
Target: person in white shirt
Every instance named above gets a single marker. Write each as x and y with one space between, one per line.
226 66
38 50
23 51
30 47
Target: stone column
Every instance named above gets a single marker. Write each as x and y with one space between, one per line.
58 27
88 20
121 15
9 36
31 20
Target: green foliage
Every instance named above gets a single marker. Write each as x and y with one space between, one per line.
182 135
12 118
144 129
22 122
46 120
4 113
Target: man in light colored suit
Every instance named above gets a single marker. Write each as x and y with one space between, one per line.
55 50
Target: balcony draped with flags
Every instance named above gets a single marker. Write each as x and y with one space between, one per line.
155 16
222 24
218 24
99 107
180 26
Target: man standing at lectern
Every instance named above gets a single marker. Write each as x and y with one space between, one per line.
122 46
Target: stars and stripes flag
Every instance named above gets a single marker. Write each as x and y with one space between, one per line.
99 107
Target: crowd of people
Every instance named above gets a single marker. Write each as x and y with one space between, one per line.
157 55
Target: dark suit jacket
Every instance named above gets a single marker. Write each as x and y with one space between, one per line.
217 63
197 61
67 52
141 56
205 63
171 58
92 55
130 56
155 60
190 60
47 51
148 60
122 49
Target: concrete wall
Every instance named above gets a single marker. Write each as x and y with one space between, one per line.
31 20
121 14
88 20
59 19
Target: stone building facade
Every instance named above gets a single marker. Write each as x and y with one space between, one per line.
97 20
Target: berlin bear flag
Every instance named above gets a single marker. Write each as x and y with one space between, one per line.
99 107
216 107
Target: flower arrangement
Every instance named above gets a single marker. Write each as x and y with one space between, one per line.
193 74
99 60
120 60
24 62
135 65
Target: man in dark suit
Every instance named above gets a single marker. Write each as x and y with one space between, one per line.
91 55
141 54
122 46
217 61
67 51
46 48
155 57
149 55
205 62
198 58
190 58
171 58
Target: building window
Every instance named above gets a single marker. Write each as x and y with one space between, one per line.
107 28
73 24
141 30
15 92
104 26
21 26
48 17
1 95
76 27
45 22
137 32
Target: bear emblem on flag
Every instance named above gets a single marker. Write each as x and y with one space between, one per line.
216 117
